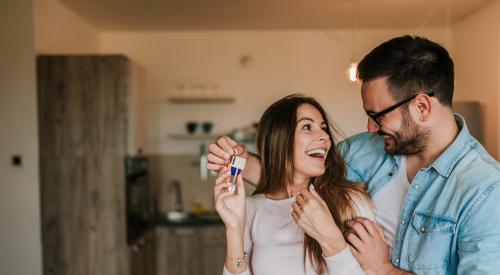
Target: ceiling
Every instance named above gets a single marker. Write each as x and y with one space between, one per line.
155 15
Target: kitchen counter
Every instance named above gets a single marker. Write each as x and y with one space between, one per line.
191 221
194 245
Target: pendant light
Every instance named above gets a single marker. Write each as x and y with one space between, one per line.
352 68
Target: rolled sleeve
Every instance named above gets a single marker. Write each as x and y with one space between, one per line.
479 238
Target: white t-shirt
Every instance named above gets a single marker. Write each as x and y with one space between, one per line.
275 242
389 202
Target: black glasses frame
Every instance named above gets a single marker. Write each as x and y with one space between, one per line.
375 117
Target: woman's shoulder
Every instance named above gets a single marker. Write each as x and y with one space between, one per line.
363 204
254 201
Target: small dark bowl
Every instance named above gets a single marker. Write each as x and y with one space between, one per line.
191 127
207 127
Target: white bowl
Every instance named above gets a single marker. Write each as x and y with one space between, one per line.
176 216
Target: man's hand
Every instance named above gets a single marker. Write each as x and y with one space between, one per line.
369 247
221 150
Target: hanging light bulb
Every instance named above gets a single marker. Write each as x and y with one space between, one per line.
351 71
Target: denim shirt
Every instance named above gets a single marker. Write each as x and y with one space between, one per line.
450 220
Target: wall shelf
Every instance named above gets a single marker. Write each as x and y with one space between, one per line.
199 137
200 99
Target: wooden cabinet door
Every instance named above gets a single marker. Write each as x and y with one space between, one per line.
81 111
190 251
150 254
136 259
82 103
142 255
213 249
177 251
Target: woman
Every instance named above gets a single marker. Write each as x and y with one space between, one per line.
294 222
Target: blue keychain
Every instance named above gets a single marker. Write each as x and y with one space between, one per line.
236 164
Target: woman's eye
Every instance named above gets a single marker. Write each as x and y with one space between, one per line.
306 127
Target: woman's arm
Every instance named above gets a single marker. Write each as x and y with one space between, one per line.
223 148
238 252
311 213
231 209
236 257
345 263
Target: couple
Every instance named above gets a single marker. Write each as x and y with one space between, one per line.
435 189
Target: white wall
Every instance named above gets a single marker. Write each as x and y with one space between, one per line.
311 62
477 65
60 30
20 244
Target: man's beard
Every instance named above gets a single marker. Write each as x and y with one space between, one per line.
410 139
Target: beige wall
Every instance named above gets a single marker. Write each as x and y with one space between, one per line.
60 30
310 62
477 62
20 244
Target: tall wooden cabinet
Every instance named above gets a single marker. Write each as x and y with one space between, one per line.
83 111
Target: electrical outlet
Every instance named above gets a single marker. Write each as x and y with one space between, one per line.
17 160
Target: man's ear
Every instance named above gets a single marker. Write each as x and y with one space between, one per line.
423 107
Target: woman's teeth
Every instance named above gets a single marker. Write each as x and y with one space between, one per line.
317 153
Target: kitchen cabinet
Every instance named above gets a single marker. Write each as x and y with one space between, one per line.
142 254
86 105
196 250
213 249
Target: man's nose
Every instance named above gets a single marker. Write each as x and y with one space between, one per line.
372 126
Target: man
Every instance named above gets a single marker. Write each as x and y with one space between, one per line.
437 191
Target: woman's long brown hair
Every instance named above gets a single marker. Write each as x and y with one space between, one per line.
275 144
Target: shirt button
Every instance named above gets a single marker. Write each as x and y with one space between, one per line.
416 186
391 174
397 260
422 229
403 222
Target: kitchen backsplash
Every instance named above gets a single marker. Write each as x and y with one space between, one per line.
164 169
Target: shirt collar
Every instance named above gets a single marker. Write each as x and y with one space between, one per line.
446 161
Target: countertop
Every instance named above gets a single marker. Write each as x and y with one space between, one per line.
191 221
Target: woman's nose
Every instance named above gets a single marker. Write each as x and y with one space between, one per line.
323 135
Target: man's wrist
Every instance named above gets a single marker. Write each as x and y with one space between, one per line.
252 172
387 269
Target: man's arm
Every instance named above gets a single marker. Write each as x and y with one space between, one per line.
223 148
252 169
479 235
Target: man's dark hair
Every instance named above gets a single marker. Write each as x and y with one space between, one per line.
412 65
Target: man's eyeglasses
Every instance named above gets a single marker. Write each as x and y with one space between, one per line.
376 116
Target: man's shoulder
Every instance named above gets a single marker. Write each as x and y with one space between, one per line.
476 166
474 177
363 144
